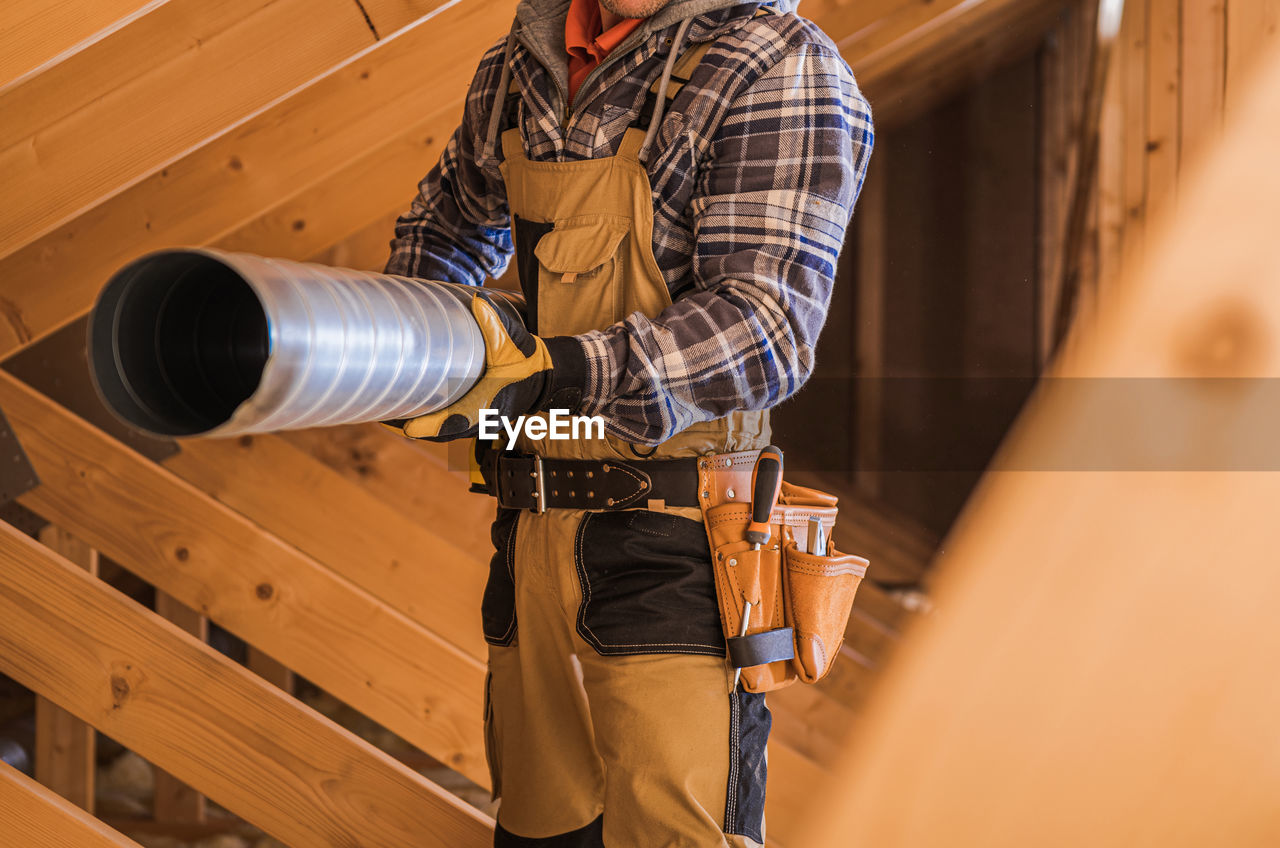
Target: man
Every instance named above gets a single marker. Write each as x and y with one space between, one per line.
674 178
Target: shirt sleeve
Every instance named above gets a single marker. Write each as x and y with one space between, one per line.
458 228
769 218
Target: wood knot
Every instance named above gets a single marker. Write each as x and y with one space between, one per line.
246 441
299 225
235 164
1225 340
182 554
119 691
264 591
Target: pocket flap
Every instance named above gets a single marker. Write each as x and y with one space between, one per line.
580 246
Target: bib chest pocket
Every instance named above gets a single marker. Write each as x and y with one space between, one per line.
580 268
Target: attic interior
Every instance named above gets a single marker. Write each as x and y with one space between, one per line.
201 641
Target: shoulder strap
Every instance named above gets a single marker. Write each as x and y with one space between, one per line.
681 73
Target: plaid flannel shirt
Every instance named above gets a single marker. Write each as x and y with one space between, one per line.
754 172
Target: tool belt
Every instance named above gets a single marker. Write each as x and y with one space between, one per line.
800 600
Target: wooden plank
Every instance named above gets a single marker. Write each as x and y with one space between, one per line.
379 180
194 712
265 159
964 59
137 127
1163 104
65 746
921 34
389 16
1253 32
174 801
1112 694
1131 67
34 32
416 569
160 31
368 248
411 477
256 586
37 817
1203 80
1109 188
1058 111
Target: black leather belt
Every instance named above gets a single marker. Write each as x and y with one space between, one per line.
526 481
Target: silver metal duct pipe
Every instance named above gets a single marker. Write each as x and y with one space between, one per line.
200 342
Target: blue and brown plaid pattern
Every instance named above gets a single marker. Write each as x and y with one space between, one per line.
755 172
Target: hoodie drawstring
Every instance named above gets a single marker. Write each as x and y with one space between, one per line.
660 105
499 100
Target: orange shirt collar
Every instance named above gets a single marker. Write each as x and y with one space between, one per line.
582 30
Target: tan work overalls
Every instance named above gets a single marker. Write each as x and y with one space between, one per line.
582 727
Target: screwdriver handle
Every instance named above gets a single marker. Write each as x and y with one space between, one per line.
766 484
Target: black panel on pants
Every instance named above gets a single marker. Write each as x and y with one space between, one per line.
527 234
647 585
749 723
590 836
498 606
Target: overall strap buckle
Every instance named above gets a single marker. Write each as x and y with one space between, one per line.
539 486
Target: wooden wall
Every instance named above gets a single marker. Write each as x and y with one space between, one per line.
1178 74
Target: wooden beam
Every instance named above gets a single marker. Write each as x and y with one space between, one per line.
192 711
65 746
369 247
914 35
34 33
966 56
387 17
419 570
1112 694
35 816
174 801
258 587
1131 68
1053 144
270 156
368 187
68 159
407 476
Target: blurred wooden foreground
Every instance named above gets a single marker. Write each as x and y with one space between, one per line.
1105 670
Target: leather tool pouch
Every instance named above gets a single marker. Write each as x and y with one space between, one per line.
800 602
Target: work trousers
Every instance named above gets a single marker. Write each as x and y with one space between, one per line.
609 715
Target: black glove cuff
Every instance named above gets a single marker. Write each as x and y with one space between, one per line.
568 374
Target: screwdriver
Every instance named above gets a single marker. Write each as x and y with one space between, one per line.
766 484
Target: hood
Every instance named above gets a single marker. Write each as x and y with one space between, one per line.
542 23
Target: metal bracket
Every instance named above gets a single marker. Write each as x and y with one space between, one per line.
17 476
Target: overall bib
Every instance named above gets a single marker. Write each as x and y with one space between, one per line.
609 716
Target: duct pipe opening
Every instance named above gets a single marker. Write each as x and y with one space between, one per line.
177 341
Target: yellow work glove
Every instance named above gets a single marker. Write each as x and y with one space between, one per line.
516 380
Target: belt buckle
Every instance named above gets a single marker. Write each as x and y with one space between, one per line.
539 487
